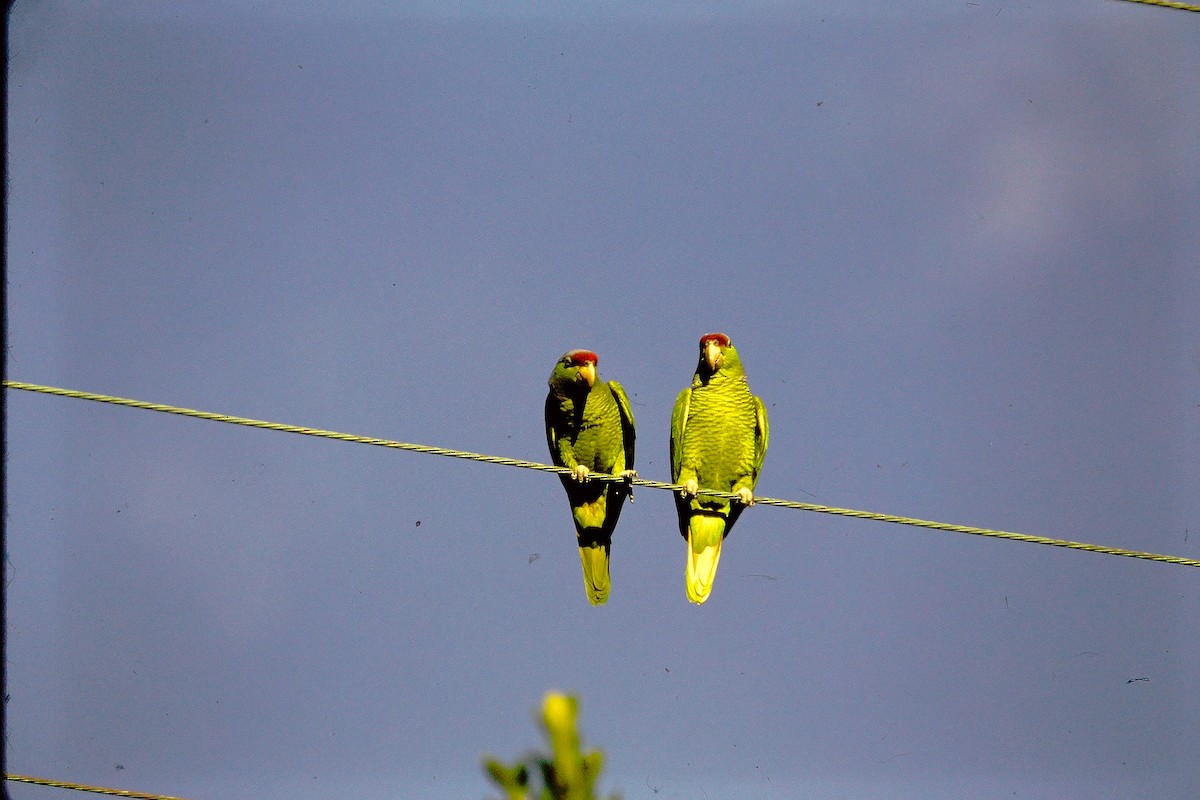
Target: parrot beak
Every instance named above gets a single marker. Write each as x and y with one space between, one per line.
588 373
712 355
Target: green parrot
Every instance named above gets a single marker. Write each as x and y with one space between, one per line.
589 428
718 439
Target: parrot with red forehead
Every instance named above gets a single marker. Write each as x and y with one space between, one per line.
589 428
719 437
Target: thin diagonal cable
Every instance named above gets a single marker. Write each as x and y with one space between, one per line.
79 787
281 426
673 487
1167 4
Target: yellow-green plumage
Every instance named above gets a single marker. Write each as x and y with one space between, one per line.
590 428
719 437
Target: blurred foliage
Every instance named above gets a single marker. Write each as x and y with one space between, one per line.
565 773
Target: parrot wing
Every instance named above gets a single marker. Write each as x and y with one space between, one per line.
551 428
678 425
628 432
762 434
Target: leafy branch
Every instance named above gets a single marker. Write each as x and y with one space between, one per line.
565 773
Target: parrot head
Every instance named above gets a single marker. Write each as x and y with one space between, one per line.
717 354
575 372
712 350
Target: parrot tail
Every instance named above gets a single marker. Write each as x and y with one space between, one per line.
705 533
595 573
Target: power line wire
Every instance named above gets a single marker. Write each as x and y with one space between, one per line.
513 462
1167 4
79 787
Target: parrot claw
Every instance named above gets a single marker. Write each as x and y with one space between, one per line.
745 496
581 473
690 488
628 475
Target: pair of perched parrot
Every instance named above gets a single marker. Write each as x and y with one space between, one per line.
718 440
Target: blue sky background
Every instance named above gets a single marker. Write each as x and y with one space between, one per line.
954 242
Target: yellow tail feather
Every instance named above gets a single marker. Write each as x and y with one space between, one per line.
595 573
705 534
